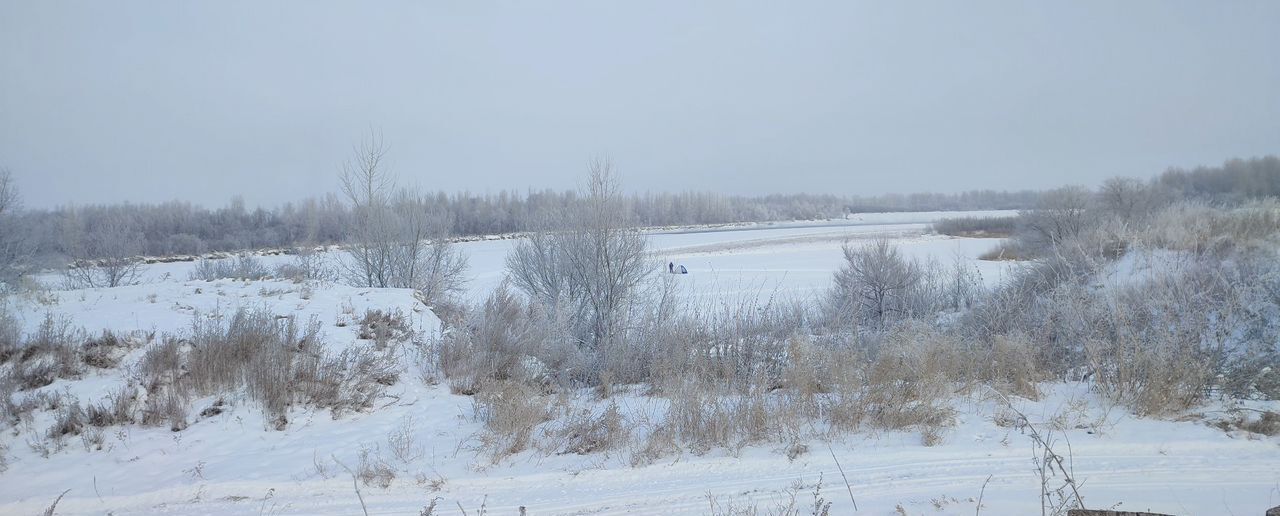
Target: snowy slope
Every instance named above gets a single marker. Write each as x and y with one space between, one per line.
228 466
231 463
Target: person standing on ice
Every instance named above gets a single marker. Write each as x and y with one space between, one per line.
671 267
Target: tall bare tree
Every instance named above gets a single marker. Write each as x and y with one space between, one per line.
609 253
10 200
16 244
368 184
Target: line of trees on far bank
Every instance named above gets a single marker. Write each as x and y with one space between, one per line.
34 238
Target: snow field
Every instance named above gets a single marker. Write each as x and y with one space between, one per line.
230 463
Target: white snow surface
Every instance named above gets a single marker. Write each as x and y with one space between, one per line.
232 463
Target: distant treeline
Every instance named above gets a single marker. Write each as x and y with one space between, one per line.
185 228
1235 181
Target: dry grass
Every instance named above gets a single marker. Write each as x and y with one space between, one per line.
979 227
910 383
242 267
275 361
1004 251
165 408
104 351
117 410
1010 366
1202 229
1263 422
505 339
384 328
46 355
584 432
510 412
69 421
372 470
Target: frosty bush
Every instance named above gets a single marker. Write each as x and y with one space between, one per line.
746 372
584 431
307 265
69 421
510 411
591 264
1200 228
877 285
242 267
507 339
106 253
384 328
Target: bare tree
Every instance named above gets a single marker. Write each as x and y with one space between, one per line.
10 200
396 241
1061 214
367 185
608 254
423 258
537 264
16 246
107 255
874 281
1130 200
593 266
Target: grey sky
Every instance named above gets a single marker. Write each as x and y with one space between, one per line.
148 101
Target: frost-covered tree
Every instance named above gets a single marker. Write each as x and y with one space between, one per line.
395 239
1129 200
592 264
423 258
16 244
537 265
368 185
874 284
106 253
1061 214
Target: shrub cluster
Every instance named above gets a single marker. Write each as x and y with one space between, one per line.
895 341
273 361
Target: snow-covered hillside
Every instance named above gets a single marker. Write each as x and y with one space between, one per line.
419 445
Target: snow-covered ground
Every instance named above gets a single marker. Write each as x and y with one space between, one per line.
796 256
230 463
795 260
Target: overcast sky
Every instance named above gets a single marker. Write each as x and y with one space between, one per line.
199 101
